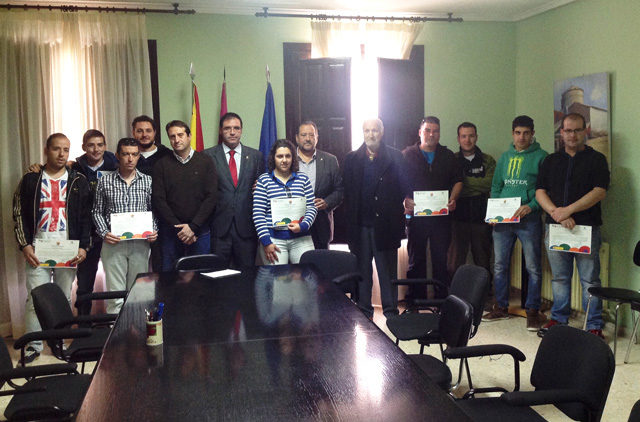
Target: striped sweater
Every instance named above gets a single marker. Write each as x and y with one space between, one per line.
270 187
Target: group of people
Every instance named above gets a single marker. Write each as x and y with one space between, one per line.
221 200
568 185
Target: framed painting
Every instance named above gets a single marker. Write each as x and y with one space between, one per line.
588 96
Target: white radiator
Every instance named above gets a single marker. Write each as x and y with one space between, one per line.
576 286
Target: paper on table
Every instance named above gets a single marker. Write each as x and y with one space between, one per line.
221 273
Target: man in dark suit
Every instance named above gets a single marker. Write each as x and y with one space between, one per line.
233 234
375 185
324 174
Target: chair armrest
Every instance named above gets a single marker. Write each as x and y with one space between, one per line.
484 350
38 371
419 282
116 294
347 278
61 334
22 390
87 319
427 303
95 319
535 398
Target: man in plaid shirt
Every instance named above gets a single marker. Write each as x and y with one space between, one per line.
124 191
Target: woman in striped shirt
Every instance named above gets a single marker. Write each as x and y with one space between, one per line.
283 188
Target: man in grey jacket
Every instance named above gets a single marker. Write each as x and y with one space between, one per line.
326 179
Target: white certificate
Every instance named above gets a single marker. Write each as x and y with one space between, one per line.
501 210
132 225
56 253
287 210
576 240
431 203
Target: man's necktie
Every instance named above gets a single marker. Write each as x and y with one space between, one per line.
233 168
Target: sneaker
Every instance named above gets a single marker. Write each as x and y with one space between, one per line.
30 354
597 333
496 314
543 330
535 319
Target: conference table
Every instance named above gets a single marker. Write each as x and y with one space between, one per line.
267 344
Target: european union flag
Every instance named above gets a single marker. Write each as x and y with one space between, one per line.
269 133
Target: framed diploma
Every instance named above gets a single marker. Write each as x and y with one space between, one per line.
576 240
56 253
431 203
501 210
287 210
132 225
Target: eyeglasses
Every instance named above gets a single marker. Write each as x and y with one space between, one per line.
572 131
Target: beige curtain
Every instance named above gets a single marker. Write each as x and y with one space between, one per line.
60 72
391 40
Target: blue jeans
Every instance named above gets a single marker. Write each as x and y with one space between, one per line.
589 272
173 248
504 237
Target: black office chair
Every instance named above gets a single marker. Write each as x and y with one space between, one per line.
200 263
470 283
454 326
634 416
339 266
635 306
54 313
573 370
51 392
621 297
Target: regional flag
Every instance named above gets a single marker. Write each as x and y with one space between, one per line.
197 143
223 102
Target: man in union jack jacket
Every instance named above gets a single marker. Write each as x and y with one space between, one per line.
52 204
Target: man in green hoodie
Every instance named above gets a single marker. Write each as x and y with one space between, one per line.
515 176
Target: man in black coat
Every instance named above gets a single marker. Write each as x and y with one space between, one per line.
375 187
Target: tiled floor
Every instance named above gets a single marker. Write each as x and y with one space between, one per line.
498 371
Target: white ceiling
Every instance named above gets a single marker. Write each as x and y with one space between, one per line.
477 10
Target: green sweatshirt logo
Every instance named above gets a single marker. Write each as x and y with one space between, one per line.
515 165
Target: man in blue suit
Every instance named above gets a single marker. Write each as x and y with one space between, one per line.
326 179
233 234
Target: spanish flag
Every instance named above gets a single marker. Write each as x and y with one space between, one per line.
196 124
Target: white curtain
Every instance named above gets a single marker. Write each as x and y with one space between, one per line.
335 39
60 72
391 40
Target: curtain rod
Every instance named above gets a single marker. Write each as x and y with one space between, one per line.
324 17
71 8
